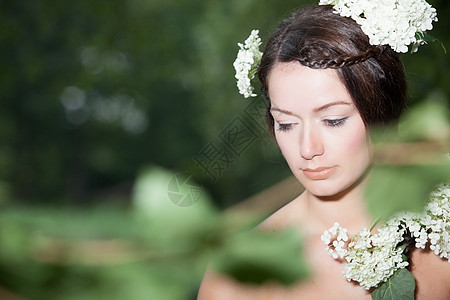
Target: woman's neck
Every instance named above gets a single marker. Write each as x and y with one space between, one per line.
348 208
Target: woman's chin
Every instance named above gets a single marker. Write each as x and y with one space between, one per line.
330 191
325 194
322 189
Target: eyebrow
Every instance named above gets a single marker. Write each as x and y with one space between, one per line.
328 105
286 112
316 110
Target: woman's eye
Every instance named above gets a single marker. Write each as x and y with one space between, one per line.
336 122
284 127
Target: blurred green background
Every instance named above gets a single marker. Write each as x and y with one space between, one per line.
94 91
98 94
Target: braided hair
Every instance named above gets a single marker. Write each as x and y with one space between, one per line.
339 61
318 38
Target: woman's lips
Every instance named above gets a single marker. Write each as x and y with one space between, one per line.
319 173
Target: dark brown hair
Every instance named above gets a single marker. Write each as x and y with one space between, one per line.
318 38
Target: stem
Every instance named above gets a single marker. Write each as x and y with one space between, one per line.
374 223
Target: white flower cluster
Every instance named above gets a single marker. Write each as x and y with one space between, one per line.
436 221
431 228
247 62
339 234
371 258
397 23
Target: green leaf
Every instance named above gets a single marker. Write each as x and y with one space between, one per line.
402 188
257 257
410 161
400 286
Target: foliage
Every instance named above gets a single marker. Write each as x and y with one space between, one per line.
270 256
93 91
399 287
410 162
154 249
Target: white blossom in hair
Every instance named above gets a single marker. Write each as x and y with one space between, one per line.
247 62
397 23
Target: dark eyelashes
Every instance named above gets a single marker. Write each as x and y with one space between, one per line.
326 122
284 127
335 123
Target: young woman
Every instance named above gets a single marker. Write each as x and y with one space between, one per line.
326 87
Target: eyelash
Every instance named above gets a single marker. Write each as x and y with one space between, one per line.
329 123
284 127
335 123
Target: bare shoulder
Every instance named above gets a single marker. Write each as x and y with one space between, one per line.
283 217
432 275
218 286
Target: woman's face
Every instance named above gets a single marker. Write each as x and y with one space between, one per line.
318 128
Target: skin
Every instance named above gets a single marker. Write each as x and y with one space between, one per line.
327 147
319 130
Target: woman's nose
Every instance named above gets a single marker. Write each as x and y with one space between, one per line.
310 144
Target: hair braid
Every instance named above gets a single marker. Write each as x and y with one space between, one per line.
339 61
318 38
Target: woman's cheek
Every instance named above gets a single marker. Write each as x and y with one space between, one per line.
359 143
288 149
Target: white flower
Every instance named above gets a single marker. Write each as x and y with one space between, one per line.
371 258
336 247
326 237
397 23
247 63
374 257
437 221
434 238
421 238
